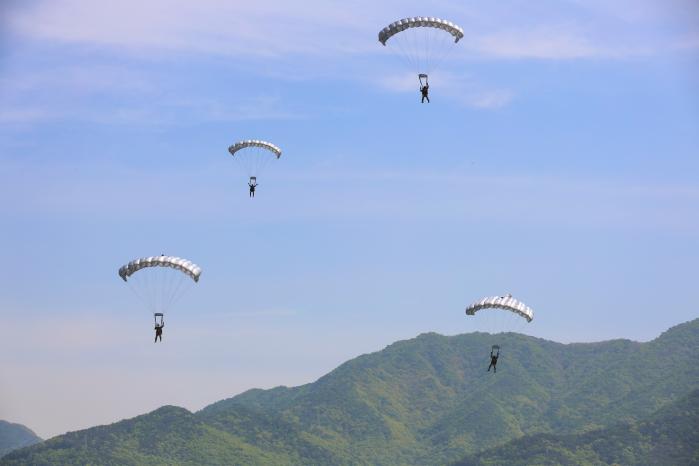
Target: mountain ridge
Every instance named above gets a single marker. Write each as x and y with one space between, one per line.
14 436
427 400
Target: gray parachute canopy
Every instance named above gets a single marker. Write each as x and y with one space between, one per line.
507 303
183 265
420 21
255 143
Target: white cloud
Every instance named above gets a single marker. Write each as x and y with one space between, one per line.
489 99
265 28
551 44
269 29
290 41
121 96
258 107
86 78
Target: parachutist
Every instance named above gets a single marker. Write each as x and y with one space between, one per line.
157 280
424 90
159 331
494 359
421 40
252 188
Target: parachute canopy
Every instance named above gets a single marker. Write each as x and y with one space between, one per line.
183 265
254 155
255 143
160 281
507 303
421 42
420 21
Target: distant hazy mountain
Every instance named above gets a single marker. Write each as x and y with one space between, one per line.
671 437
13 436
423 401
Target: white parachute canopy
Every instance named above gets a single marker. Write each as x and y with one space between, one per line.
159 281
496 314
422 42
254 155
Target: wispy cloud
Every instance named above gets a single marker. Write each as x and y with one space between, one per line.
265 28
269 29
257 107
122 95
86 78
463 89
490 99
270 38
551 44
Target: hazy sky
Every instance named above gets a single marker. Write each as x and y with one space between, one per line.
557 161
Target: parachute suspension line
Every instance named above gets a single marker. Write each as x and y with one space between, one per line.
254 159
262 158
162 287
401 53
173 296
140 287
157 287
427 41
166 288
417 40
147 279
159 290
404 56
498 318
410 40
158 280
137 294
406 52
443 51
422 49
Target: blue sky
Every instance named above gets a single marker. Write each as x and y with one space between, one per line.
557 161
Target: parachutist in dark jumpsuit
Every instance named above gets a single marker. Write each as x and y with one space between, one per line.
252 188
494 361
159 331
425 90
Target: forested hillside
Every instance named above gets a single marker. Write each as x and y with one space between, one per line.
428 400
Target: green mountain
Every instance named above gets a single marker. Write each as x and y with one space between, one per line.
428 400
670 437
14 436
